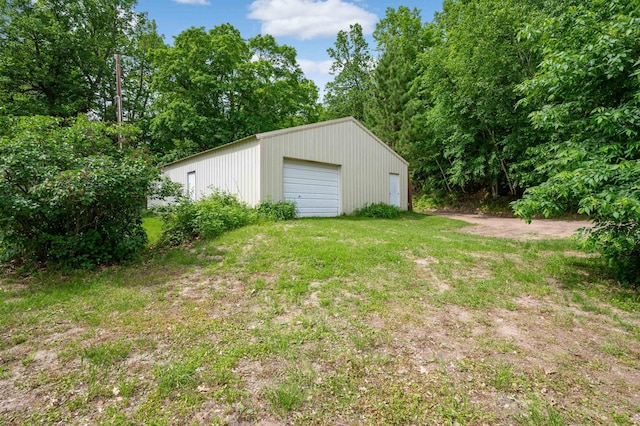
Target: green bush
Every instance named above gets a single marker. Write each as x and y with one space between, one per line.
610 195
214 215
68 194
281 210
589 116
423 203
378 210
206 218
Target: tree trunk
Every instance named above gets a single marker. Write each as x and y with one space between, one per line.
503 164
446 182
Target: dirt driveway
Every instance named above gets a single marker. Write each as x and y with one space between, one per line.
516 229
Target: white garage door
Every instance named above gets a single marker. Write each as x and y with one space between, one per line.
314 187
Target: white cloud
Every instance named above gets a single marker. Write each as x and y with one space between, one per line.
200 2
307 19
315 67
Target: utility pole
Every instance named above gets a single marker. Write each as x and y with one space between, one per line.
119 95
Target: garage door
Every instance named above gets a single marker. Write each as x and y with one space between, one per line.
314 187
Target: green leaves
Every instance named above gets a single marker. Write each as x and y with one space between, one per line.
58 57
587 95
347 94
465 104
215 87
209 217
400 36
69 194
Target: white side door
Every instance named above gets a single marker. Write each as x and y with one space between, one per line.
191 186
394 190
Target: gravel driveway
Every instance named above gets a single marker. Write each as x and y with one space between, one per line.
516 229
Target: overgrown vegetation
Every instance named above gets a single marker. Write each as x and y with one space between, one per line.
481 201
590 113
68 194
378 210
280 210
209 217
216 214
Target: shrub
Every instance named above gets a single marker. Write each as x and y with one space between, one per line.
610 195
281 210
425 203
378 210
68 194
206 218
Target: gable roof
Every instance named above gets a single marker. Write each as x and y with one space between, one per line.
274 133
329 123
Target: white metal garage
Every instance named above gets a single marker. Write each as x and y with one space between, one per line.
327 169
314 187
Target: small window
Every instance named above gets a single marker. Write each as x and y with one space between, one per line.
191 186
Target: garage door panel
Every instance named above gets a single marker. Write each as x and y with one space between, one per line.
310 189
310 175
331 197
316 212
311 181
306 165
313 187
319 203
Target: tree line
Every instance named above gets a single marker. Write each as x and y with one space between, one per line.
533 99
207 89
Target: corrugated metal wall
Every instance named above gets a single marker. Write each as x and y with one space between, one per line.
234 168
365 164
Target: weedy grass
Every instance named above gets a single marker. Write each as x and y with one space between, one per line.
324 321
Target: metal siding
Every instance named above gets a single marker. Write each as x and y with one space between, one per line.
234 169
365 164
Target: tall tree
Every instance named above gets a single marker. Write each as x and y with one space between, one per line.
282 96
400 36
347 94
215 87
56 57
467 83
137 76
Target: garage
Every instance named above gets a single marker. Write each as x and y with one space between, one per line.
327 169
313 187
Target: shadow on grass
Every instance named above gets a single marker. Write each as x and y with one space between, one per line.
592 276
47 287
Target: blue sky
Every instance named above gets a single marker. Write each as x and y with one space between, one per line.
308 25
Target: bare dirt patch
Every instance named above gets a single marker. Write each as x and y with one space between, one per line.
501 355
516 229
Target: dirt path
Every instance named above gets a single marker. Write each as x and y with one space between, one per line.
516 229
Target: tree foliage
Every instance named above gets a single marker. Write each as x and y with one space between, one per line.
68 194
466 101
57 57
400 36
215 87
586 96
347 94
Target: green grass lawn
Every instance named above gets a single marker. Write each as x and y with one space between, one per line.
326 321
153 226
